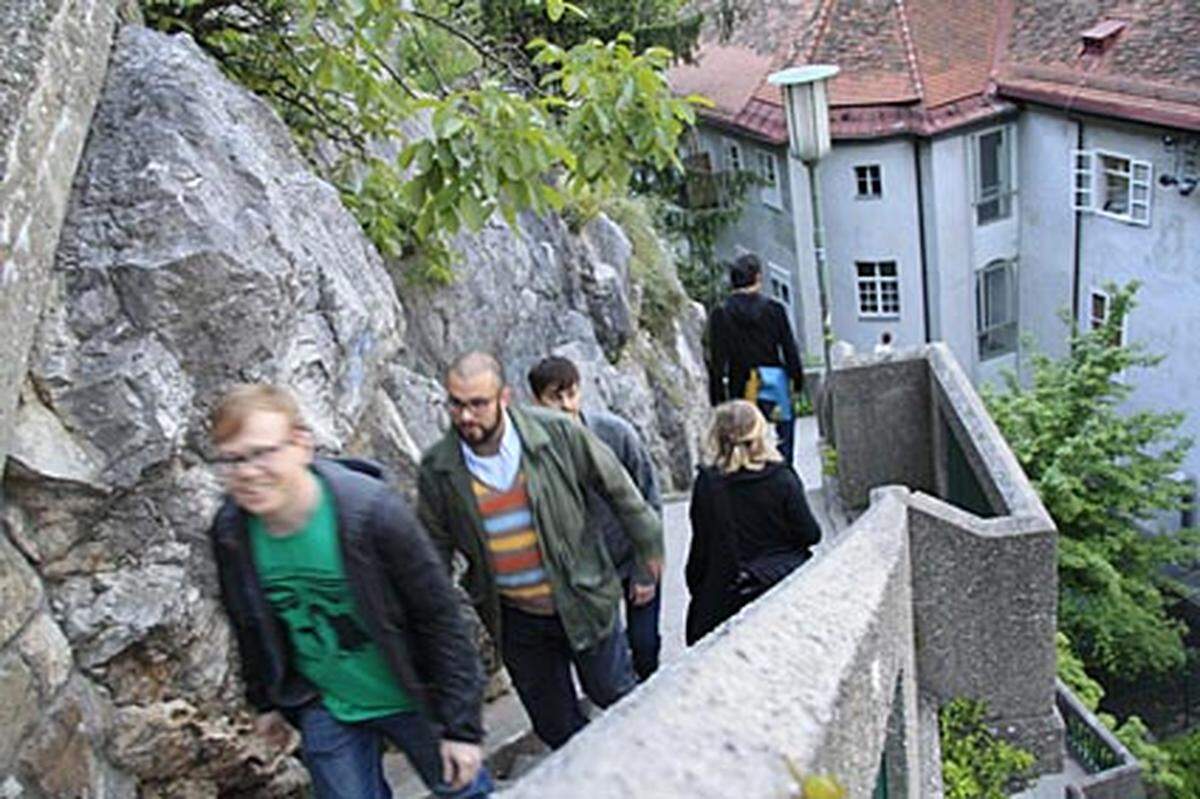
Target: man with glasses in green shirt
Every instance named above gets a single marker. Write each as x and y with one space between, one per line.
347 627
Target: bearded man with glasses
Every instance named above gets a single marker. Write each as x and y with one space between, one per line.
507 488
347 627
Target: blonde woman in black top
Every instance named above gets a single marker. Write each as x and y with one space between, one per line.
751 524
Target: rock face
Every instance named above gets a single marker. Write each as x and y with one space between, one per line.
52 59
540 290
198 250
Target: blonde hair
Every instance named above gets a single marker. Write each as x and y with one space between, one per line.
239 402
740 438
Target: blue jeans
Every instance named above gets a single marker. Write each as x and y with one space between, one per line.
346 760
538 657
642 631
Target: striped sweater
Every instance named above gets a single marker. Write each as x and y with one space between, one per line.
513 547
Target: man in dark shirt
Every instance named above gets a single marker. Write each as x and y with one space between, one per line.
753 353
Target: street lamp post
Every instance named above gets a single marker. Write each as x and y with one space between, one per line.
806 104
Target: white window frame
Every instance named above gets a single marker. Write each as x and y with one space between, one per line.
733 156
876 282
780 282
873 177
1006 195
984 331
768 170
1095 322
1088 169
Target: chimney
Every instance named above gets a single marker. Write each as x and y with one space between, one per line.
1099 38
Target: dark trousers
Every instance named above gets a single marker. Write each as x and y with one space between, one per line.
641 628
785 433
538 657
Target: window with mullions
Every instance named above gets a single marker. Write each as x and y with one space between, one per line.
1113 185
996 309
1099 310
992 153
770 179
878 289
733 157
869 181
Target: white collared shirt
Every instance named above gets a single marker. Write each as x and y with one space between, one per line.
500 470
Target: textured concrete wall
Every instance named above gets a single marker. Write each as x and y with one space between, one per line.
984 596
882 426
985 590
53 55
995 468
807 674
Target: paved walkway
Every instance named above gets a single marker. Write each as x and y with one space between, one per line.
505 719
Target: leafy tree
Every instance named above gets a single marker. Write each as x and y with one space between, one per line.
1185 753
356 79
695 206
1100 471
662 23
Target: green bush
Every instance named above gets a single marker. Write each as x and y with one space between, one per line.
975 763
1185 755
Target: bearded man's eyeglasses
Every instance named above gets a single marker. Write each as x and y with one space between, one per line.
475 405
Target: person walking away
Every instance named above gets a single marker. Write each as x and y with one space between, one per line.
506 488
753 353
555 383
346 625
751 524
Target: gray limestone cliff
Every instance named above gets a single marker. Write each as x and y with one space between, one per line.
197 249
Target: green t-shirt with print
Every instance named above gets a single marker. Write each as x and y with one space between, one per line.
305 582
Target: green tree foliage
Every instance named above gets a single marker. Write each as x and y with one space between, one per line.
1185 754
661 23
1162 768
1100 470
352 77
696 205
975 763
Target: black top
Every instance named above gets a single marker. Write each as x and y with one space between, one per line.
749 330
740 520
399 587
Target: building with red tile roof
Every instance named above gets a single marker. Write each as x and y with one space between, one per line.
994 162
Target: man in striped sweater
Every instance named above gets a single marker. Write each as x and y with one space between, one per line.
507 488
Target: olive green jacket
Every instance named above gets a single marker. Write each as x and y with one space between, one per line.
560 458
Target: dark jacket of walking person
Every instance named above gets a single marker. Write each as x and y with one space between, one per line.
507 488
347 626
752 352
751 524
555 383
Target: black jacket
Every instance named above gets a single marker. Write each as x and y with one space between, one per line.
748 330
743 520
401 592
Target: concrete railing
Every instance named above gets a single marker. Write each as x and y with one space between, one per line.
818 672
1112 770
916 598
984 548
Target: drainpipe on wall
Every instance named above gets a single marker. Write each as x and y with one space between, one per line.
921 235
